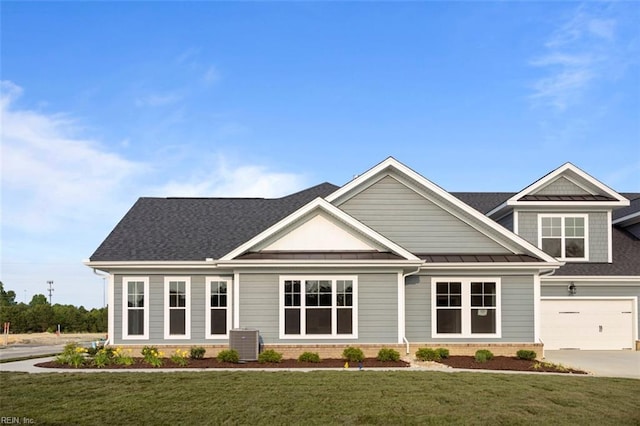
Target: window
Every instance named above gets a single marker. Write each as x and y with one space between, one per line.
466 307
313 307
135 308
177 319
218 316
563 236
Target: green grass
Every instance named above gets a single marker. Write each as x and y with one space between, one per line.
334 397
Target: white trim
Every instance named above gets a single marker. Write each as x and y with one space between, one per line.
563 237
516 219
320 204
609 238
236 300
401 308
391 164
537 309
208 307
592 280
465 309
187 308
125 317
111 314
334 322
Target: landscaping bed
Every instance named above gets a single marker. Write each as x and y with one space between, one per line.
507 363
214 363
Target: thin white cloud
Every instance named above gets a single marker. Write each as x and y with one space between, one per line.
576 56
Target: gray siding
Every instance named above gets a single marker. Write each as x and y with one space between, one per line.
415 223
598 231
603 290
517 311
561 186
377 308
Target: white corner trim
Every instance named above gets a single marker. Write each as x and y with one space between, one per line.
537 311
236 300
401 308
516 219
125 312
609 238
111 314
187 281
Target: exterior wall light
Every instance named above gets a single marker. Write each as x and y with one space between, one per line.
572 289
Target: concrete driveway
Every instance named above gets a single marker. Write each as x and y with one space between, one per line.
599 363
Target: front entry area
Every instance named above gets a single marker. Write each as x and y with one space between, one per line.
587 323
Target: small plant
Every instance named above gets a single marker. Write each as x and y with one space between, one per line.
180 357
483 355
73 355
229 355
122 356
443 352
152 356
526 354
270 356
428 354
197 352
353 354
309 357
388 354
102 358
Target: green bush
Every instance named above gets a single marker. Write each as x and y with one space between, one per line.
309 357
73 355
483 355
270 357
102 358
526 354
229 355
443 352
388 354
197 352
353 354
428 354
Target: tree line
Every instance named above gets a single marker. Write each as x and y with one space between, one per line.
39 315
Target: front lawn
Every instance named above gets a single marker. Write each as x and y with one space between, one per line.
320 397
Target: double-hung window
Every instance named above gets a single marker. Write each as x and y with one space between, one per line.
466 307
135 308
564 236
318 307
177 318
218 314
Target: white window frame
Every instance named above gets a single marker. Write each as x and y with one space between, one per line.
167 325
334 314
563 217
466 308
229 282
125 308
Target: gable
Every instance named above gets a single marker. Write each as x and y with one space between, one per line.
416 223
319 233
562 186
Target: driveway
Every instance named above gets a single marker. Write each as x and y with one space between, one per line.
599 363
23 351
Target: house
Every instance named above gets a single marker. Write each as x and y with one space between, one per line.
388 260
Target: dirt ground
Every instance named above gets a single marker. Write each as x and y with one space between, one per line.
46 339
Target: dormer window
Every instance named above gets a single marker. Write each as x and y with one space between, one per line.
564 236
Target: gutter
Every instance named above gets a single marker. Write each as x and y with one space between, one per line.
105 276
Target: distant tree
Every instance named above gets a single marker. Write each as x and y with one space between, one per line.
38 299
7 298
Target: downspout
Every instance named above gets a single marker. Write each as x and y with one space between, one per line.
537 303
404 281
105 276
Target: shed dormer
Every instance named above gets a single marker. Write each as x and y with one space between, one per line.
566 213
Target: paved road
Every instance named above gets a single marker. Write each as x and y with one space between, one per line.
600 363
21 351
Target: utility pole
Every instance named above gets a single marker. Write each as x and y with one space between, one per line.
50 290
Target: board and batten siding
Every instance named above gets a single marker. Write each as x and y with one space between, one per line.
604 291
156 303
417 224
377 308
517 311
598 224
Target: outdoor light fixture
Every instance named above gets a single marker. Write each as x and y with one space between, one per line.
572 289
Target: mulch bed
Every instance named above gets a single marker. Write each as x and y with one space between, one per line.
214 363
506 363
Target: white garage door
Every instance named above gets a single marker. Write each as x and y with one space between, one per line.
589 324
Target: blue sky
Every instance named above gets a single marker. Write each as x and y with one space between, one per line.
105 102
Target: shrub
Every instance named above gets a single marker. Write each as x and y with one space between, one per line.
229 355
102 358
270 356
152 356
121 356
526 354
388 354
483 355
428 354
180 357
197 352
309 357
443 352
72 355
353 354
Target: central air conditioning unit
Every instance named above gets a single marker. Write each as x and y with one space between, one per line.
246 342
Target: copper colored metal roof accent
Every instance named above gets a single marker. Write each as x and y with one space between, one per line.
319 255
477 258
537 197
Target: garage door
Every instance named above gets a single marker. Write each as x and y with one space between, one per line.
589 324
